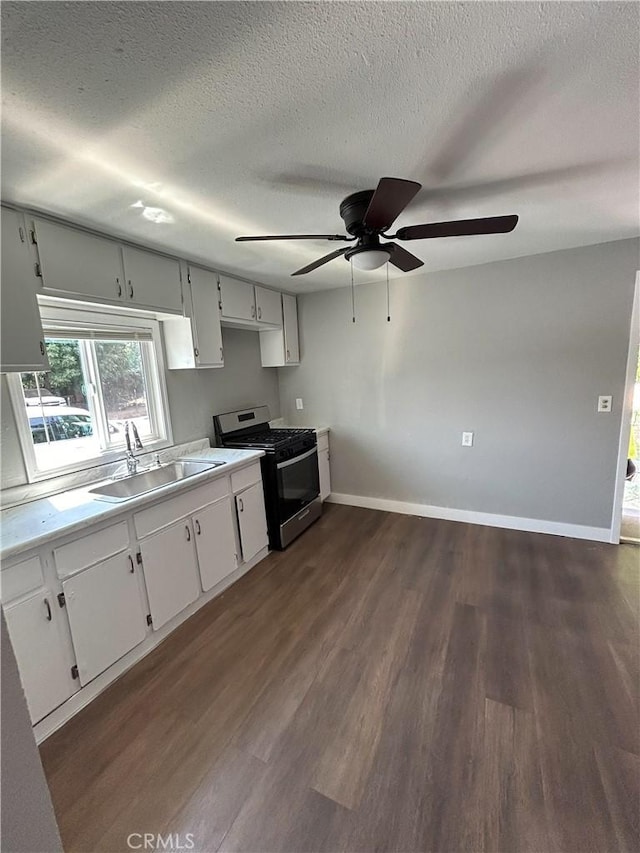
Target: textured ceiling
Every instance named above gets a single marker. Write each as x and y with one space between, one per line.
241 118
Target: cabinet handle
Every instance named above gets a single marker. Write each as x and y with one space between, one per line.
198 531
131 564
48 606
288 355
221 354
196 352
21 233
240 505
186 527
259 313
253 311
42 347
130 289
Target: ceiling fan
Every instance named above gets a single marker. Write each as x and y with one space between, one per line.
369 214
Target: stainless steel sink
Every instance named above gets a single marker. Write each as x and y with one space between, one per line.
147 481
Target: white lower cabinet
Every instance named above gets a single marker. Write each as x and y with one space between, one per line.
325 473
252 522
45 670
105 614
170 571
215 543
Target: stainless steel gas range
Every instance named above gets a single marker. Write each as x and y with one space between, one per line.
289 470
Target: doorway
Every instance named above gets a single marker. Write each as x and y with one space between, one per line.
630 524
625 522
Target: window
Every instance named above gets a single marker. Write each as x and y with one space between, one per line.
104 370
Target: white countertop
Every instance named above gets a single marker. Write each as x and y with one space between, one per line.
33 524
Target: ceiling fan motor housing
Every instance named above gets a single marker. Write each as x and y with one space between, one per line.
353 209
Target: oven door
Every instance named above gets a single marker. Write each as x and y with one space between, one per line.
298 483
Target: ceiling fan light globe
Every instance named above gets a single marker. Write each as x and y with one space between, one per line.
370 259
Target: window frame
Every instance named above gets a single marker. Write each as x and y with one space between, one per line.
55 316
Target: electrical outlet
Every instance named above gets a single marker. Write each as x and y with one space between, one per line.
299 404
467 439
604 403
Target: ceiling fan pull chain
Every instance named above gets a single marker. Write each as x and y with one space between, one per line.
388 310
353 295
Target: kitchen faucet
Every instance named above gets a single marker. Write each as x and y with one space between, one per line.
132 462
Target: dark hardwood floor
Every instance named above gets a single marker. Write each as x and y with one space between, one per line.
388 683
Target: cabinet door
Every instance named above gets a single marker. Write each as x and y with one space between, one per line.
74 262
152 281
105 614
252 521
35 627
215 542
206 318
21 336
170 571
237 298
269 306
325 474
290 318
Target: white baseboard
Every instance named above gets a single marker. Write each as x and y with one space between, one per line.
488 519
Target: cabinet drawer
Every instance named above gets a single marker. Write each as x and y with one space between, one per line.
246 477
19 579
88 550
170 510
323 442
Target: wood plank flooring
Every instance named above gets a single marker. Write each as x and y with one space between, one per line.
388 683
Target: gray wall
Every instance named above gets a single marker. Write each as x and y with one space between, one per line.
28 821
517 351
194 397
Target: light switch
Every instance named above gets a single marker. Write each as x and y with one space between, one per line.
299 405
467 439
604 404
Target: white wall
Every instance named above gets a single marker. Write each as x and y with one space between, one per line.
516 351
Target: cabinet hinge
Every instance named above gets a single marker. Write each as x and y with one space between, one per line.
149 619
33 238
139 558
61 599
74 672
37 270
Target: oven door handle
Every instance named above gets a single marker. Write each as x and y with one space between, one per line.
297 458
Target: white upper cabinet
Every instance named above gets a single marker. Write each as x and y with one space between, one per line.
237 299
268 306
152 281
21 336
105 614
75 263
290 317
196 340
249 306
280 347
80 265
45 668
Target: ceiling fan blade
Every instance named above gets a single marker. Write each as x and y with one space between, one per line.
320 262
402 259
459 228
295 237
391 197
